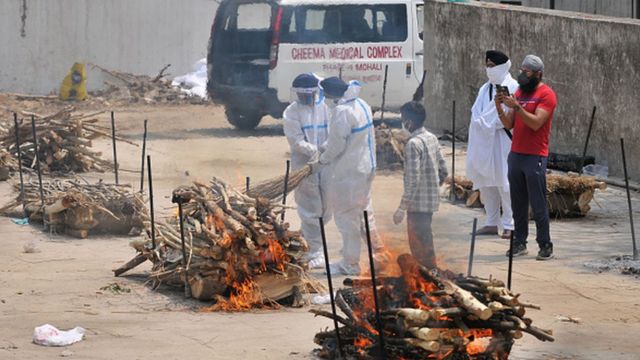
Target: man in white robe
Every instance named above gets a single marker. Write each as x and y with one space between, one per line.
489 146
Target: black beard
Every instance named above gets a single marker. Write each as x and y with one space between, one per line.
528 84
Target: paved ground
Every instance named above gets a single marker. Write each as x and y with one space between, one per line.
61 283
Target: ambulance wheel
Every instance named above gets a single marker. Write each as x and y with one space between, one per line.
243 120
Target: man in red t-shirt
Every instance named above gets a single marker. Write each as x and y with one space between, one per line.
529 115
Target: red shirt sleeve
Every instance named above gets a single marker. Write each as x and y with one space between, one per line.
548 101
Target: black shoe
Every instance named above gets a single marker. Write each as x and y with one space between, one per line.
519 250
545 253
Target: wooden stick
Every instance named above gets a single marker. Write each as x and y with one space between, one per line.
115 152
151 210
473 245
374 286
384 92
626 181
37 158
286 187
17 127
586 142
333 301
453 152
144 149
510 269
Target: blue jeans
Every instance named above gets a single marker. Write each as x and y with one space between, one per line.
421 238
528 185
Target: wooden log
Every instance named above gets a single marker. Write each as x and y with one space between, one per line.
430 346
468 301
78 233
206 288
137 260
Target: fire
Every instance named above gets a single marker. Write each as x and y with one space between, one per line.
361 343
244 296
480 342
274 254
478 346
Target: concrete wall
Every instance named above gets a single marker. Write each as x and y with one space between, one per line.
41 39
620 8
589 61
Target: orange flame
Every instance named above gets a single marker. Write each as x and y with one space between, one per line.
274 254
481 340
244 296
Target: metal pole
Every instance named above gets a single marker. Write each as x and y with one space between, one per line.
384 92
35 144
473 245
373 281
333 301
453 153
586 143
247 185
286 188
115 152
626 182
187 293
153 222
510 261
15 121
144 150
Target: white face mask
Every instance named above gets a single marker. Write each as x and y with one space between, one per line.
498 73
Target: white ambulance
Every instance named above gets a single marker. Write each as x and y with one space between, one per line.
257 48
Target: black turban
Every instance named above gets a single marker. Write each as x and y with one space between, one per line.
496 57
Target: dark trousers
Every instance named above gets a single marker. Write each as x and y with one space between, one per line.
421 238
528 185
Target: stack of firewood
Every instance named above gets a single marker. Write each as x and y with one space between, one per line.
390 147
567 195
78 208
122 87
428 314
238 251
8 164
464 191
64 142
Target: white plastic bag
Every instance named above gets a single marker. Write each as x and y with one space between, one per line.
48 335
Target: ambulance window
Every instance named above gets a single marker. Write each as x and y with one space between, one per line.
315 19
252 16
317 24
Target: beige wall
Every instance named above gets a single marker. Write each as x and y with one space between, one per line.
589 61
138 36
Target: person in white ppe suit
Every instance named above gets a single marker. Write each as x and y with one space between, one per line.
489 146
351 153
305 127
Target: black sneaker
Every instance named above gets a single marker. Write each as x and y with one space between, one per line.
545 253
518 250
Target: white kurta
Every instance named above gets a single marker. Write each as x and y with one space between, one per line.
489 145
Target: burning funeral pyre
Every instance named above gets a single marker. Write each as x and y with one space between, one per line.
78 208
427 314
64 142
237 249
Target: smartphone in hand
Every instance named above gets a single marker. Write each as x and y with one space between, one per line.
502 90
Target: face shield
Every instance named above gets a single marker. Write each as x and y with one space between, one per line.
304 96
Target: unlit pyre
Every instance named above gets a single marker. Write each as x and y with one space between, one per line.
428 314
78 208
64 142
